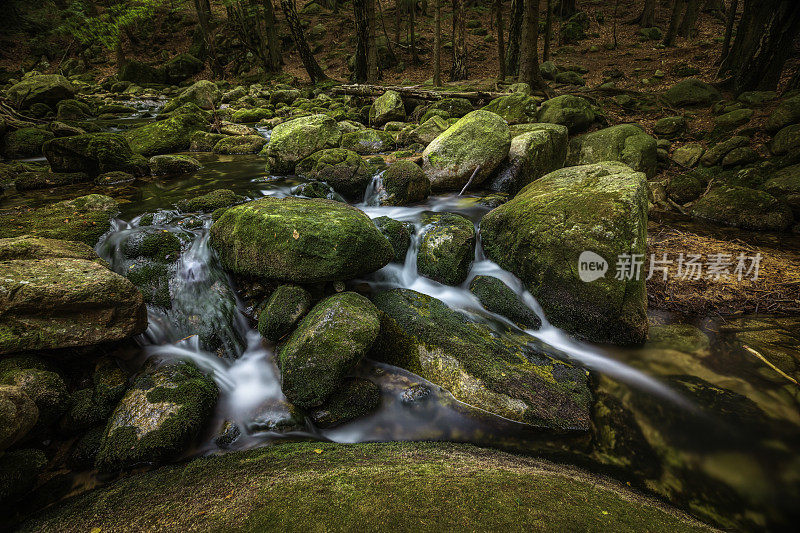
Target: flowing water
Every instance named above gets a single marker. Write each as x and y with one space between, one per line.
704 424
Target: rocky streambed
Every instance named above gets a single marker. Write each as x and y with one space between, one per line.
266 266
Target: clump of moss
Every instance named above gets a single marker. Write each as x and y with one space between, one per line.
284 309
399 235
212 201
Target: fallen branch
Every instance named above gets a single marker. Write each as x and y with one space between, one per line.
474 173
414 92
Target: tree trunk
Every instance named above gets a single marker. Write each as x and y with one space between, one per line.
437 45
672 30
372 49
548 31
715 7
567 8
273 43
458 70
362 40
501 46
689 21
398 9
204 20
412 27
726 43
529 54
647 18
312 67
514 33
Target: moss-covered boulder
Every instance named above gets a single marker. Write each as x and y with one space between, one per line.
398 233
161 165
46 89
355 397
574 112
253 114
670 127
72 109
689 154
26 142
203 141
475 145
743 207
786 114
19 470
83 219
284 309
240 144
139 73
503 373
60 294
368 141
344 170
453 107
296 139
403 183
785 186
170 135
733 119
36 379
714 155
210 202
626 143
91 406
499 298
515 108
181 67
94 154
541 150
159 416
685 188
446 247
18 415
386 108
691 93
332 338
425 133
29 181
786 140
541 234
299 240
204 94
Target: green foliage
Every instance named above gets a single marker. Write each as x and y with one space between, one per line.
90 26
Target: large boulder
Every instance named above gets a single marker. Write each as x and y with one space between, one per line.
240 144
166 136
425 133
574 112
446 247
785 186
299 240
452 107
541 234
94 154
48 89
403 183
499 298
626 143
26 142
475 145
181 67
204 94
284 309
40 383
18 415
531 156
57 294
83 219
786 114
368 141
515 108
786 141
743 207
344 170
332 338
294 140
158 417
503 373
691 93
386 108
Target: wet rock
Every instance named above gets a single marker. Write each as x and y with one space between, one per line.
368 141
204 94
44 88
161 165
115 177
743 208
227 435
210 202
501 373
574 112
344 170
18 415
284 309
398 234
228 128
626 143
83 219
317 189
73 110
327 344
166 136
240 144
46 388
159 416
60 129
403 183
542 149
446 247
476 144
26 142
277 416
515 108
540 234
299 240
296 139
498 298
90 407
29 181
93 153
691 93
63 297
355 397
385 108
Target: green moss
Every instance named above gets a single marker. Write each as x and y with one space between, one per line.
212 201
515 108
368 141
399 235
446 247
160 245
355 397
284 309
342 169
627 143
404 183
84 452
743 207
386 108
173 164
240 144
165 136
93 153
26 142
251 115
498 298
296 139
152 279
47 389
574 112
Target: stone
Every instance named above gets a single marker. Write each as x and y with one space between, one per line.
398 234
744 155
296 139
743 208
204 94
93 154
240 144
166 136
626 143
446 247
691 93
499 298
784 185
533 154
18 415
299 240
355 397
574 112
425 133
684 188
515 108
209 202
403 183
385 108
342 169
689 154
716 153
46 89
541 234
19 471
332 338
368 141
29 181
284 309
26 142
670 127
786 114
251 115
786 141
181 67
161 165
733 119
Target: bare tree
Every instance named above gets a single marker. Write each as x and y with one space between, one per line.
458 70
313 69
529 53
501 46
674 19
437 46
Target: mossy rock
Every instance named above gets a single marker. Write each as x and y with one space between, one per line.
540 234
84 452
714 155
786 141
204 94
499 298
210 202
159 416
626 143
386 108
785 186
181 67
140 74
19 470
355 397
786 114
160 245
299 240
743 208
733 119
501 372
170 135
454 107
203 141
30 181
517 108
26 142
46 89
93 153
670 127
684 188
399 236
284 309
83 219
689 154
368 141
296 139
574 112
240 144
403 183
425 133
539 151
473 147
446 247
251 115
332 338
744 155
72 110
18 415
342 169
46 388
691 93
161 165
